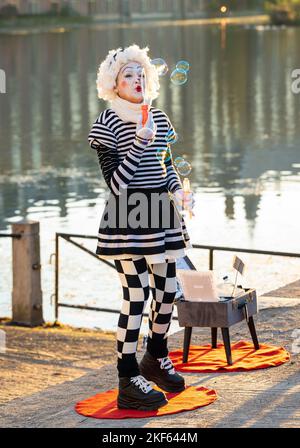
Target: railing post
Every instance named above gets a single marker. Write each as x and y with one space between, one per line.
56 274
211 259
27 297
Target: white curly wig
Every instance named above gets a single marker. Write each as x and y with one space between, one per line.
115 60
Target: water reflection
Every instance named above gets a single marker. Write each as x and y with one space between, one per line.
236 116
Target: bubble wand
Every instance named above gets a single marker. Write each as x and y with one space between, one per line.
187 189
146 101
184 168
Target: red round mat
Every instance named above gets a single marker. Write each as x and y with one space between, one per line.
104 405
203 358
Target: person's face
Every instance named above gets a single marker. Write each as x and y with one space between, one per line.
129 82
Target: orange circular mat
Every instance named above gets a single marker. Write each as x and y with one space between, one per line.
203 358
104 405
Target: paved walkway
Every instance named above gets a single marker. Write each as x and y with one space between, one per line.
262 398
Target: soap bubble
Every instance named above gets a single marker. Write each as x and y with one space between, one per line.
178 160
183 65
184 168
171 137
178 77
160 65
163 154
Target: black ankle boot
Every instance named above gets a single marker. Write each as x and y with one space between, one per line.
161 372
137 393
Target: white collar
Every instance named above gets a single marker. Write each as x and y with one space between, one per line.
126 110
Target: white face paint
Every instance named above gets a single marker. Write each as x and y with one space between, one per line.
129 82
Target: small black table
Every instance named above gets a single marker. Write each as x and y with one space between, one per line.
222 314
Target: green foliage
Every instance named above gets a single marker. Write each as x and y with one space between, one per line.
68 10
283 11
236 5
287 5
64 9
8 11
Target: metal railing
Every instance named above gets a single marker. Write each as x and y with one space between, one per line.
11 235
68 237
211 250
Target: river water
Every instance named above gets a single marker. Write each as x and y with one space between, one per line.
238 124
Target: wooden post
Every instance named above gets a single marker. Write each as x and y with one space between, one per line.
27 296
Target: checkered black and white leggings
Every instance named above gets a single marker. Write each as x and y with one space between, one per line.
136 278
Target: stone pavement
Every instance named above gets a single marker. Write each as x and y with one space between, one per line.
261 398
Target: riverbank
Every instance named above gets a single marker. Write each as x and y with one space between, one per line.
39 24
46 370
41 20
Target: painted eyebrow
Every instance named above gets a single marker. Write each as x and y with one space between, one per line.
127 68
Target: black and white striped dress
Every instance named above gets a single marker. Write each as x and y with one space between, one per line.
128 165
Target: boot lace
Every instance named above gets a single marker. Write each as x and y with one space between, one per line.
166 363
142 383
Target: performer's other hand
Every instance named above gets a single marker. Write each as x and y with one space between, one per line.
148 131
184 200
